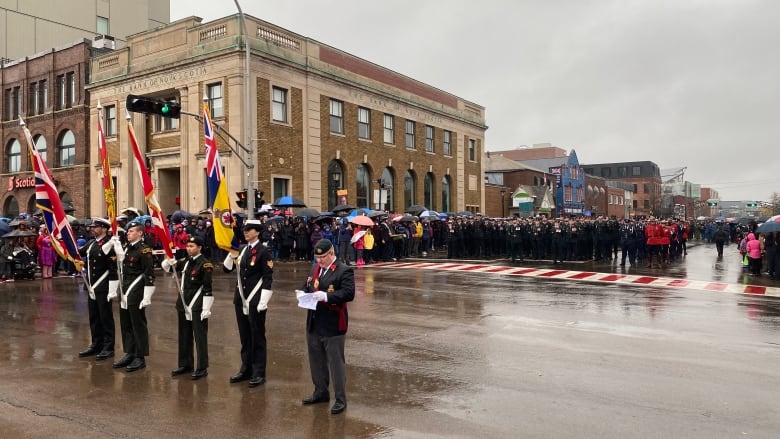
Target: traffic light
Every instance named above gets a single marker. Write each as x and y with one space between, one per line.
145 104
241 201
259 201
751 204
713 203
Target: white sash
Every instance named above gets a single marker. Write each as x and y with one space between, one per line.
123 302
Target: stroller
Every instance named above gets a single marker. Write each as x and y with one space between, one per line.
24 266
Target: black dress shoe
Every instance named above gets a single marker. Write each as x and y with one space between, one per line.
90 351
180 371
314 399
338 407
256 381
137 364
241 376
200 373
103 355
127 359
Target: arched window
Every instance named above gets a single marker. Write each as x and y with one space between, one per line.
387 180
14 157
67 149
409 189
430 199
363 186
335 182
11 207
40 146
446 197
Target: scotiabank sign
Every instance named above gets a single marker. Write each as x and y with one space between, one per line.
18 183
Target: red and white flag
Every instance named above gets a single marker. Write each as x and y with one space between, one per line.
108 183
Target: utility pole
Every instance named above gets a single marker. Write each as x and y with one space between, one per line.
250 152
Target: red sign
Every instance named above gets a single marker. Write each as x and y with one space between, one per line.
18 183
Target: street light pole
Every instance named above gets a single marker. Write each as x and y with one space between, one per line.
503 192
250 157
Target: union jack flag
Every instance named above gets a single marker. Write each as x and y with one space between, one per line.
158 219
213 164
47 199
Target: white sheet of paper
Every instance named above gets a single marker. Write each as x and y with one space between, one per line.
305 300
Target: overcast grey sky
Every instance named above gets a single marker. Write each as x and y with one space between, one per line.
691 83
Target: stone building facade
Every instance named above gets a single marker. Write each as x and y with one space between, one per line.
47 90
325 126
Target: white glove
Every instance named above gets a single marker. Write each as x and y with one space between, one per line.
147 300
167 264
265 296
113 287
207 302
321 296
230 261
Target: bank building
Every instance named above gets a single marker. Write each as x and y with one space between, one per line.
323 125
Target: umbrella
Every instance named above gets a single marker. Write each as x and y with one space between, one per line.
206 211
276 219
359 211
416 209
406 217
71 219
342 208
5 220
17 233
4 228
68 208
15 222
289 201
769 227
701 218
179 215
265 208
362 220
377 213
307 212
465 213
429 214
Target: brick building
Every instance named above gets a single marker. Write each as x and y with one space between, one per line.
325 126
47 90
644 176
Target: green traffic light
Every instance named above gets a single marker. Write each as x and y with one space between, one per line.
165 109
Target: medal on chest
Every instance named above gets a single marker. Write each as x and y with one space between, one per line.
253 258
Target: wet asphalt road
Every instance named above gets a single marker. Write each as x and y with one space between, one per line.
429 353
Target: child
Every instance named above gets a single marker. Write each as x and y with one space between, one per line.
47 258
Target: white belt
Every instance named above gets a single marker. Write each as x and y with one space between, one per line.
123 302
188 308
91 288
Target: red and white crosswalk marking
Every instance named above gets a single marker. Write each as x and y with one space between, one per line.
590 276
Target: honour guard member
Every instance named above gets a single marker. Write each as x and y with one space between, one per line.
332 283
101 280
193 307
137 282
255 271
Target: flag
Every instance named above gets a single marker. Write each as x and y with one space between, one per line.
219 201
108 183
213 164
158 219
47 199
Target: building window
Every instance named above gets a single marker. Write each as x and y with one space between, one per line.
363 186
279 105
445 194
14 156
61 92
281 188
428 191
33 108
110 120
567 193
646 188
635 203
636 171
635 188
447 143
386 190
410 125
647 204
606 172
40 146
102 25
408 189
14 103
162 123
8 104
336 117
472 150
70 80
580 195
389 129
364 123
67 148
428 139
610 199
214 97
622 172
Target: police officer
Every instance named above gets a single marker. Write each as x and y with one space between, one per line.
193 307
101 278
137 289
253 292
628 242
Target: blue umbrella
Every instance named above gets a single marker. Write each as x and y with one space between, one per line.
359 211
4 228
289 201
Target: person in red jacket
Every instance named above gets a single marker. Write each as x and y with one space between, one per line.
654 234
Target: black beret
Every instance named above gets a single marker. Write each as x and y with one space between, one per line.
323 246
197 240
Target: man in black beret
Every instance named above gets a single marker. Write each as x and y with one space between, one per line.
255 272
332 283
193 307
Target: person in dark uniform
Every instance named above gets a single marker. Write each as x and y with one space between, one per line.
137 289
333 284
100 278
193 307
255 269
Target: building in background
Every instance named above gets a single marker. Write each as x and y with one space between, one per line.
33 26
645 176
326 126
